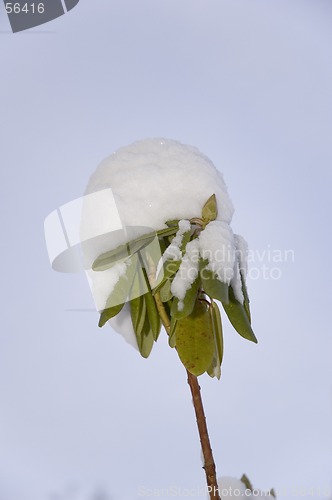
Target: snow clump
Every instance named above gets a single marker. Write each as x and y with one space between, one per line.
153 181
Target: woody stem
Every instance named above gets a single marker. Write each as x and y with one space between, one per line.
209 464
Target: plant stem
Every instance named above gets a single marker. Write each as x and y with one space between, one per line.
209 465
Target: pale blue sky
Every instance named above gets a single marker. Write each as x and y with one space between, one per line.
249 83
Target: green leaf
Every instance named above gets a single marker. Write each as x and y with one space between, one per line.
141 324
214 370
137 303
238 317
209 210
142 305
170 267
185 239
153 316
117 298
147 339
213 287
165 291
245 480
108 259
151 308
246 297
194 339
216 318
109 313
138 314
172 336
173 222
168 231
188 301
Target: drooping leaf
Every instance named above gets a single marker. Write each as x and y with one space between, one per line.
213 287
214 370
246 297
109 313
138 314
194 339
146 339
139 286
121 290
151 308
142 305
188 301
137 302
152 313
216 318
209 210
141 325
169 269
238 317
172 336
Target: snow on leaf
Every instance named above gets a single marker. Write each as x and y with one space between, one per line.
174 250
216 245
213 287
188 271
184 307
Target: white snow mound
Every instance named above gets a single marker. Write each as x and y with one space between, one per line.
153 181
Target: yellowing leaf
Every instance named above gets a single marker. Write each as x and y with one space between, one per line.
194 339
214 370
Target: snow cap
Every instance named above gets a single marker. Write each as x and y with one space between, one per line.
150 181
155 180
